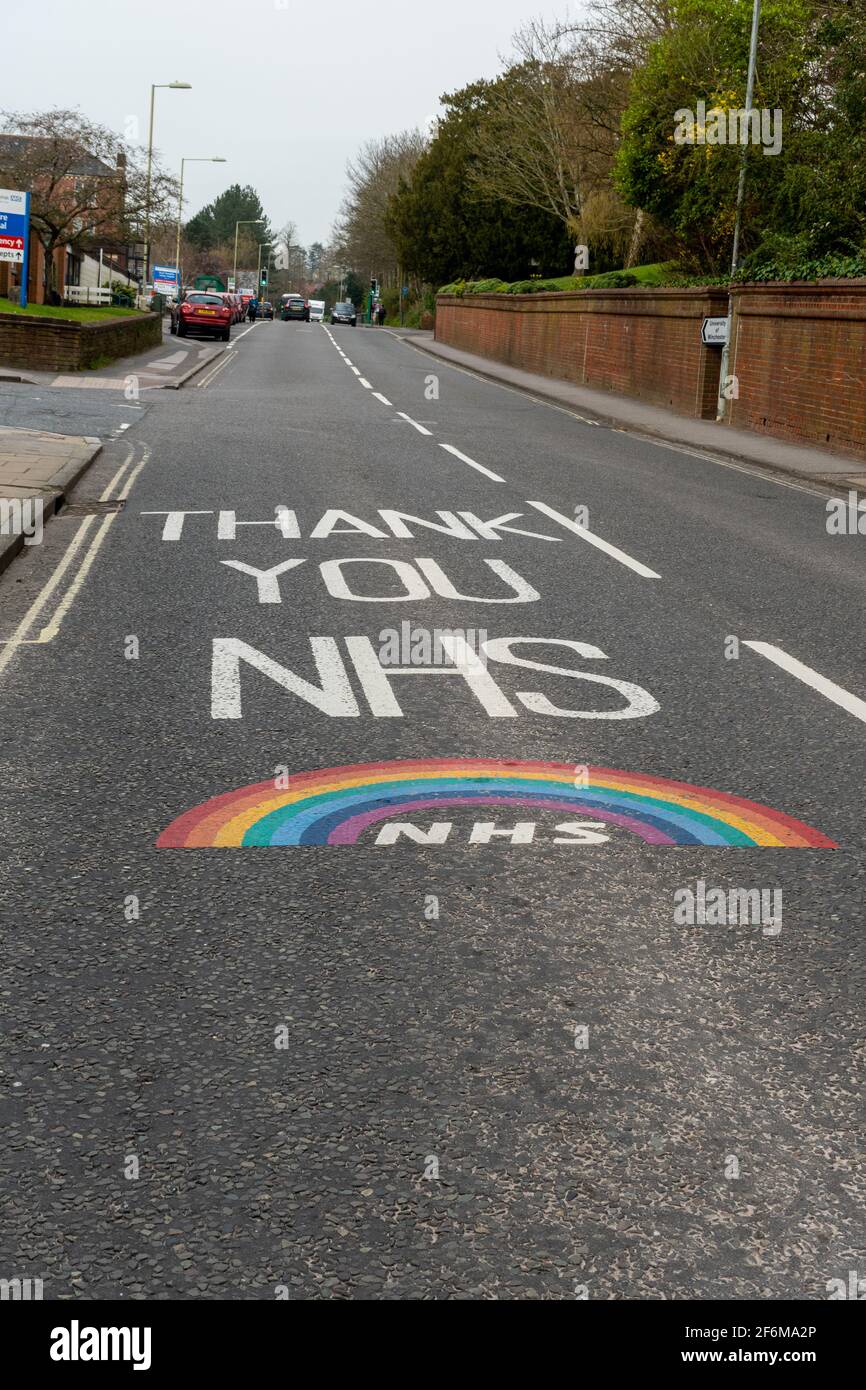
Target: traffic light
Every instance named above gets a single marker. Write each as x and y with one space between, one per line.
374 285
263 279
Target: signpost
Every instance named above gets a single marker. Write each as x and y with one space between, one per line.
15 233
166 281
714 332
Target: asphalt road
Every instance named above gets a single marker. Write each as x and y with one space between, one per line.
380 1050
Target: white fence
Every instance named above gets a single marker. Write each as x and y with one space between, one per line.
87 294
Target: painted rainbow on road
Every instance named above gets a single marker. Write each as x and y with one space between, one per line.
335 805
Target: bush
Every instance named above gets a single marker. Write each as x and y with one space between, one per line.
529 287
778 263
491 286
613 280
123 294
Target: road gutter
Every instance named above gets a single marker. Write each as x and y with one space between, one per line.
194 371
53 494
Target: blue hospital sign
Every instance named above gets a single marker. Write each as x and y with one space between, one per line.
14 218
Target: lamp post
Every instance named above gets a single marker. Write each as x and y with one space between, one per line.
175 86
741 188
188 159
244 222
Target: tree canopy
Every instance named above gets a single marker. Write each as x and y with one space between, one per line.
215 224
808 197
444 229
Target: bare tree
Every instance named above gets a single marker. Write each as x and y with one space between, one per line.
284 241
361 235
553 129
534 148
83 180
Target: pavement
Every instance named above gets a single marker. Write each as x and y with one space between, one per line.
37 468
334 971
41 462
639 417
167 366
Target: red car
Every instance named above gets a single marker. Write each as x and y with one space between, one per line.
201 311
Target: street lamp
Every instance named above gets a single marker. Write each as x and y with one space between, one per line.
738 216
175 86
244 222
188 159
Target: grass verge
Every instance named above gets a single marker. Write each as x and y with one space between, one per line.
83 313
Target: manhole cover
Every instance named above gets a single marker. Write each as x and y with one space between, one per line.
94 508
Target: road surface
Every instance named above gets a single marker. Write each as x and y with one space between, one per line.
344 958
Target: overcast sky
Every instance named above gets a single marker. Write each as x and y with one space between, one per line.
285 90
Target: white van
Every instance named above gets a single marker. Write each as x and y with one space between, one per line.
317 310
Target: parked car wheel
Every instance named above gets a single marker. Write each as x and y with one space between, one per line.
181 331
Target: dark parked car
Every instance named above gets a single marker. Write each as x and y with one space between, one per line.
344 312
266 310
202 312
294 306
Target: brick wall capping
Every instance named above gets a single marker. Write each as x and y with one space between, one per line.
562 297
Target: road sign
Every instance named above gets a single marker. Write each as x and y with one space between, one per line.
14 219
15 233
714 332
208 282
231 284
166 279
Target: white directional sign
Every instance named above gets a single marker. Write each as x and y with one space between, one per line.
714 332
14 209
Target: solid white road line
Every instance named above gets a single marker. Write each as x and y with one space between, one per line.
466 459
223 362
409 420
380 397
50 631
18 638
852 704
643 570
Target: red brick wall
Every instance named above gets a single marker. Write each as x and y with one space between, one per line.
644 343
63 345
798 351
800 362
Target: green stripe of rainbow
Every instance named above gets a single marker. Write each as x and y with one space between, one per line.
335 805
